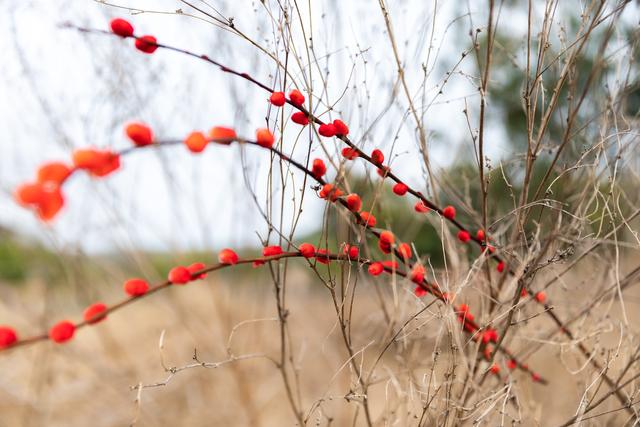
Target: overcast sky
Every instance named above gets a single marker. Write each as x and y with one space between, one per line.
63 90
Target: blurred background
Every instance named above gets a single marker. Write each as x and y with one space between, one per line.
63 90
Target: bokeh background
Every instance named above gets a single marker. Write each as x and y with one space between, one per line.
63 90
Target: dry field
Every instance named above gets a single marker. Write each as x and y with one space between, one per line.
90 380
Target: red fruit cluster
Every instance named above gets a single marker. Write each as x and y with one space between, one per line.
45 195
330 192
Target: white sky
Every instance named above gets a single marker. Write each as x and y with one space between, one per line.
62 90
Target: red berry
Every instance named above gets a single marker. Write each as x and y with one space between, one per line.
384 247
140 134
147 44
349 153
51 203
512 364
541 297
8 336
464 236
341 127
330 192
228 256
377 157
95 313
535 377
257 263
136 287
480 235
449 212
29 194
179 275
368 219
53 173
421 207
300 118
463 312
500 267
354 203
265 138
327 130
391 265
277 99
271 251
98 163
307 250
400 189
419 291
351 251
62 331
321 256
195 267
196 142
387 237
376 268
405 250
491 335
121 27
223 135
318 168
417 274
296 97
495 369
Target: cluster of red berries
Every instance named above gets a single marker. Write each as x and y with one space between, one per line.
123 28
